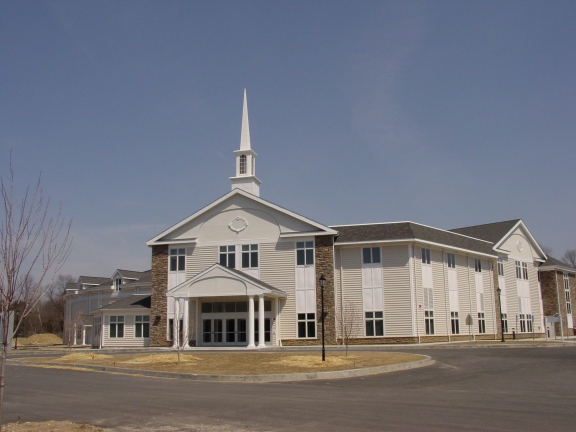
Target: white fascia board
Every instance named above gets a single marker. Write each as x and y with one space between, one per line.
426 242
173 242
530 237
303 234
156 240
136 311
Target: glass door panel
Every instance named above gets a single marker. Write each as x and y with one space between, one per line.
230 330
241 335
218 331
207 330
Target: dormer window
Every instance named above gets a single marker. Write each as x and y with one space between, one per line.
242 164
117 283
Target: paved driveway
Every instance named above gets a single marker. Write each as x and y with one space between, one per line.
467 389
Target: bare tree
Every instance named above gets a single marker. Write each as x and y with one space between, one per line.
570 257
56 303
32 242
547 250
71 327
350 317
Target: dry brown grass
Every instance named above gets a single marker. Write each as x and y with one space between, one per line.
44 339
50 426
253 363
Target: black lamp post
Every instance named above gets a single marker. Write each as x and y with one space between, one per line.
499 291
322 282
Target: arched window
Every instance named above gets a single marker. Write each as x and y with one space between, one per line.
243 164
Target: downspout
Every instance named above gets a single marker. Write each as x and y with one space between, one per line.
493 300
471 329
341 297
415 292
559 313
446 299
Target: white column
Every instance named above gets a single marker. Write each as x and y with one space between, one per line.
75 334
186 324
175 322
251 322
83 335
261 343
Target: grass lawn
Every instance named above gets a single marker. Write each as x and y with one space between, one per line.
253 363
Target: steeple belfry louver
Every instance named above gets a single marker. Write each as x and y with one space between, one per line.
245 178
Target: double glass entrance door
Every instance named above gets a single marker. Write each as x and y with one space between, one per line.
231 331
220 331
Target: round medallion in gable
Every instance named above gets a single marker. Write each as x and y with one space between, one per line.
238 224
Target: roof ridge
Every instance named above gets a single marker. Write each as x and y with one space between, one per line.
490 223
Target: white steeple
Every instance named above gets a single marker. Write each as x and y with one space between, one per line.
245 178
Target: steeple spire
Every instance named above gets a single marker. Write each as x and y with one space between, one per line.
245 134
245 178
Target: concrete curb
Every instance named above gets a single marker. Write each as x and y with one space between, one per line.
303 376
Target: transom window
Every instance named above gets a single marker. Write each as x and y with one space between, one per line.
477 265
142 326
228 256
116 326
371 255
177 259
304 253
250 256
451 260
500 266
374 323
243 164
425 256
306 325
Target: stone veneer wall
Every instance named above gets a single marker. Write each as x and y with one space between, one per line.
159 301
552 292
497 305
324 259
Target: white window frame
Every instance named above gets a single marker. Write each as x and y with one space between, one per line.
451 258
567 293
141 322
118 322
227 251
251 251
117 284
305 269
481 323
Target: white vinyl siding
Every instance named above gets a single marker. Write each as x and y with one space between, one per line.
129 339
277 269
396 281
199 258
350 259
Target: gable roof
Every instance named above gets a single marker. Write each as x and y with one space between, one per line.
138 275
498 233
138 301
410 231
94 280
492 232
322 229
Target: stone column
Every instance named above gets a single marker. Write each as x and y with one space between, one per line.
261 343
186 324
251 322
159 305
324 255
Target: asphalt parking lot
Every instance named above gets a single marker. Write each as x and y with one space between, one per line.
475 389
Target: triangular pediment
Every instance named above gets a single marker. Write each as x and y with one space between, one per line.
520 244
239 215
220 281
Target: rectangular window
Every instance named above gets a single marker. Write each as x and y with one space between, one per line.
525 271
567 293
451 260
500 267
267 328
477 265
505 323
481 323
425 256
250 256
374 323
526 323
429 322
304 253
177 259
142 326
306 325
228 256
518 270
117 283
116 326
455 322
371 255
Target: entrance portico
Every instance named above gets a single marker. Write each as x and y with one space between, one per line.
226 302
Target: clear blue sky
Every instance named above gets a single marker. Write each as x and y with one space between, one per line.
444 113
